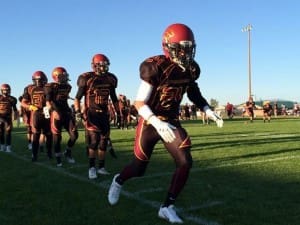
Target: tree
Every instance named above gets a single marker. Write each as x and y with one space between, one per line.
214 103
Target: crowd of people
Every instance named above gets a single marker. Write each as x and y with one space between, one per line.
164 81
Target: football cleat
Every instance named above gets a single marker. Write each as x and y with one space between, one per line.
169 214
103 171
69 157
49 154
3 148
114 191
92 173
8 148
33 159
58 162
70 160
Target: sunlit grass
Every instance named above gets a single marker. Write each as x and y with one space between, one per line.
243 174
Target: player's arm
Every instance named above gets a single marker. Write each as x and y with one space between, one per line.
164 129
25 103
114 99
196 97
77 105
49 97
15 109
81 83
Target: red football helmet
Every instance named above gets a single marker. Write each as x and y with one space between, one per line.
60 75
39 78
179 44
100 64
5 89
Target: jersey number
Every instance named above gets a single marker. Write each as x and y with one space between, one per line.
169 96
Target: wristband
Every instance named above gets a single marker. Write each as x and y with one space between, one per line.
205 108
145 112
209 113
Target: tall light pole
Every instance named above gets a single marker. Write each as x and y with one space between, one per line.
248 29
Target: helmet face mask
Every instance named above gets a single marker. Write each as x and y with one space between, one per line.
5 89
39 79
179 45
182 53
60 75
100 68
100 64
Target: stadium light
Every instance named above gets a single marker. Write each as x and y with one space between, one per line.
248 29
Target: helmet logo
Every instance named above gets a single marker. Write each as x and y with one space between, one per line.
168 35
55 73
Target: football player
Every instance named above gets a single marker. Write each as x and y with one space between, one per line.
267 110
97 86
61 116
34 100
124 112
8 105
164 81
250 106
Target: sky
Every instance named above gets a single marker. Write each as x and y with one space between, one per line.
41 35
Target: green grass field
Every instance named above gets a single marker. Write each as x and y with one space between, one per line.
243 174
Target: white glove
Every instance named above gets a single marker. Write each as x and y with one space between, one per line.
46 112
164 129
219 122
214 116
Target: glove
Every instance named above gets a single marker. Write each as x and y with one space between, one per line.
78 116
214 116
32 108
46 112
219 123
164 129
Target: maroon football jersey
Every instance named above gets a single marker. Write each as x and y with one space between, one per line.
35 96
97 89
7 104
59 95
170 82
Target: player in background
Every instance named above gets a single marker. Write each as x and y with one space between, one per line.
57 95
97 86
34 100
229 108
267 111
8 112
250 106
